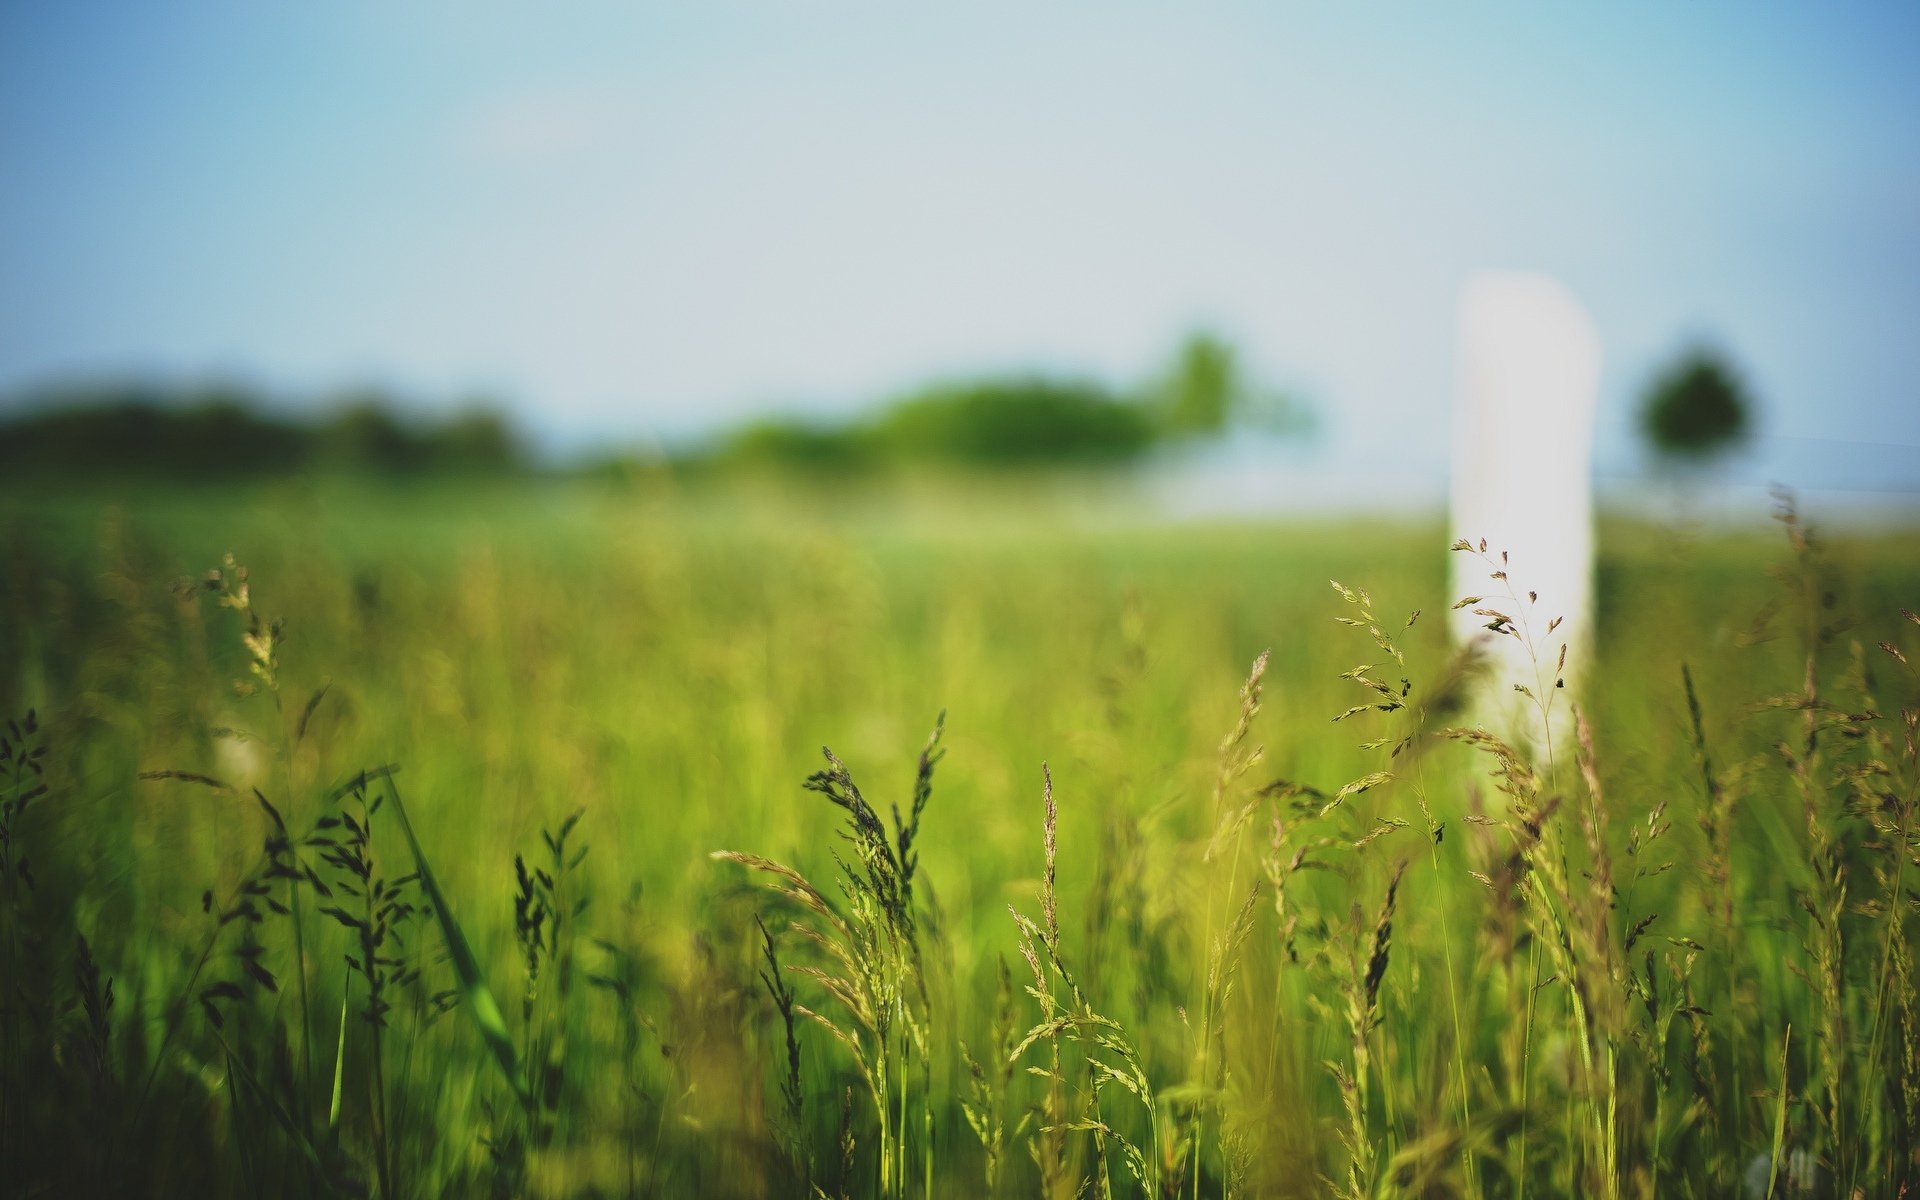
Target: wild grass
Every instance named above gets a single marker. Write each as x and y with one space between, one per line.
1358 930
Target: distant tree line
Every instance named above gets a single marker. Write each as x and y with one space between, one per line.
1694 411
1025 420
1014 420
224 432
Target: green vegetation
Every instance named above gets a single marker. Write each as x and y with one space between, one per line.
1696 410
476 840
1026 420
1011 422
228 432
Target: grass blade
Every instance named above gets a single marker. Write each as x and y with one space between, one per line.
339 1065
1779 1119
476 997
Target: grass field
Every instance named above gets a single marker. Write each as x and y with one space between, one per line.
1135 925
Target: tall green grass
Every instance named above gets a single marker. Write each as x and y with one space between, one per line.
1138 918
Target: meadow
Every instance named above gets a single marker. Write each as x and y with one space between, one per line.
375 838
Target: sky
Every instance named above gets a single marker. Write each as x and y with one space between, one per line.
645 220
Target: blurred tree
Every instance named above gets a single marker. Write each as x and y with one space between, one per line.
1202 388
479 438
796 441
1204 391
366 434
1019 421
1696 410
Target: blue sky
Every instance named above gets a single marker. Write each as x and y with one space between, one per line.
643 219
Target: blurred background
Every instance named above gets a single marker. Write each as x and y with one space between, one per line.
1213 252
597 409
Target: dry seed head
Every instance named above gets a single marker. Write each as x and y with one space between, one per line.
1365 783
1249 699
1382 827
797 887
1383 938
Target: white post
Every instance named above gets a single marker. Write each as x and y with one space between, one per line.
1529 371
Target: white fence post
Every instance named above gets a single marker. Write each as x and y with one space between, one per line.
1529 372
